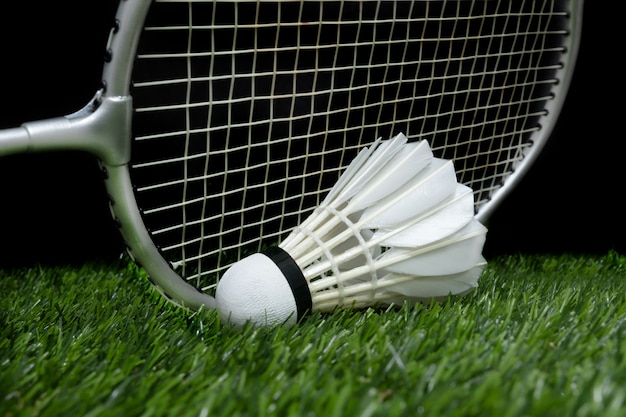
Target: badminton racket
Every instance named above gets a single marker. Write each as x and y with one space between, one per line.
220 125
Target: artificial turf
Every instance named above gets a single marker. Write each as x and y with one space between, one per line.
543 335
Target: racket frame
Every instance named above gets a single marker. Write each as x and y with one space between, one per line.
104 128
553 108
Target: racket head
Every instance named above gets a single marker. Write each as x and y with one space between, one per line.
246 113
120 55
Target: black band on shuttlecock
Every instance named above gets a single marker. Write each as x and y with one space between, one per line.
295 278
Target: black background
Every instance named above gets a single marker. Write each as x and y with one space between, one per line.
53 208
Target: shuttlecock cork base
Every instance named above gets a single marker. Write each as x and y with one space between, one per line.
267 288
396 227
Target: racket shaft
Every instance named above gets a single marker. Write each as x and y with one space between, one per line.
13 141
103 131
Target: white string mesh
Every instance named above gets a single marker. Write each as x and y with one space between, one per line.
247 112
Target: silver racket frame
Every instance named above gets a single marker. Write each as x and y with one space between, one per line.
103 128
117 73
547 121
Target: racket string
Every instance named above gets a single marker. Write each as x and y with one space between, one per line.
247 112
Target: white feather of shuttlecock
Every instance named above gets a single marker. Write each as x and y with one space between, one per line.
397 226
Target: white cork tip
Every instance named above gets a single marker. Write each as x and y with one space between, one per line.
255 290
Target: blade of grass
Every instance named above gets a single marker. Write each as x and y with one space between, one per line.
542 336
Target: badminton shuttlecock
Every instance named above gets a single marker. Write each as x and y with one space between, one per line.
396 227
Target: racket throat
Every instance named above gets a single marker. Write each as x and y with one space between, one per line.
102 128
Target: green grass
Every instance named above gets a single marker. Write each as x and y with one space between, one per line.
542 336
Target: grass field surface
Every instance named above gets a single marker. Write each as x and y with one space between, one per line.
541 336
